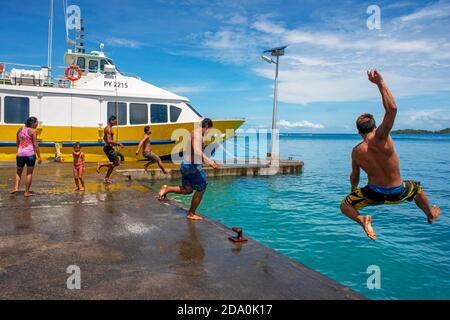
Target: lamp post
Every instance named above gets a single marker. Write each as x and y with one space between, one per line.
275 52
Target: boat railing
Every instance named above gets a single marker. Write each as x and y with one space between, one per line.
44 77
34 75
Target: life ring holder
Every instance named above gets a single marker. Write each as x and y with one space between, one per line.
73 73
2 68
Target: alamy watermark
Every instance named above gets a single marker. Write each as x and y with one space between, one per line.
374 20
74 280
374 280
249 146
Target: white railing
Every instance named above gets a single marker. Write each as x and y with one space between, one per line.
56 76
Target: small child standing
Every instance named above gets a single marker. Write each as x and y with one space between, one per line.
78 166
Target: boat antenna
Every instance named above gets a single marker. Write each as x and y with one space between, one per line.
50 40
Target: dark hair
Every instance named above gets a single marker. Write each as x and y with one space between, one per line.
112 118
30 121
146 129
365 123
207 122
76 144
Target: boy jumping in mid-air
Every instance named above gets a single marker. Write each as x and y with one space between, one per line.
147 151
78 166
376 155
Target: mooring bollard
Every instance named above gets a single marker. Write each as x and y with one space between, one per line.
238 237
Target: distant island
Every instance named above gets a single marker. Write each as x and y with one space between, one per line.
413 131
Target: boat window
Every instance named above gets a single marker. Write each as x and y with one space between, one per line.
103 63
119 110
81 63
174 113
158 113
193 109
93 65
17 109
138 113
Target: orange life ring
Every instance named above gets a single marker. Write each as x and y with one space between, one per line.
2 67
73 73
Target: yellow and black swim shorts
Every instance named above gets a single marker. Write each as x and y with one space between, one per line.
364 197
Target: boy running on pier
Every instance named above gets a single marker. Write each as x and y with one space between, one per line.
376 155
193 176
147 151
78 166
108 149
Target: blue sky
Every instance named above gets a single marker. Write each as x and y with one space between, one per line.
210 51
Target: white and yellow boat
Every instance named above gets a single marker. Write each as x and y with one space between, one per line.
77 111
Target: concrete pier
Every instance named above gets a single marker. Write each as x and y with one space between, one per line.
135 170
128 245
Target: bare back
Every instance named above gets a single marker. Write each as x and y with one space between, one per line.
378 158
193 152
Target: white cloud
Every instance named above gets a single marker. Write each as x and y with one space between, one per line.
221 40
237 19
438 10
268 27
426 115
333 41
186 89
420 118
325 65
299 124
399 4
122 42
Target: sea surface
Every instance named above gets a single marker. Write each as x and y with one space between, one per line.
298 215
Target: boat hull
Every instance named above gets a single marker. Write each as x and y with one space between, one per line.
166 139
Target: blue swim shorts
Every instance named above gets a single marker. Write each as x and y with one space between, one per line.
193 175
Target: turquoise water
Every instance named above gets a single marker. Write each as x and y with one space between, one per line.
298 215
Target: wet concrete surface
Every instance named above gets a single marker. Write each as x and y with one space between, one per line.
128 245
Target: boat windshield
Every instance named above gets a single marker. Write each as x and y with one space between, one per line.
193 109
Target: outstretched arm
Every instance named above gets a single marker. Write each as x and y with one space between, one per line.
389 104
356 170
140 144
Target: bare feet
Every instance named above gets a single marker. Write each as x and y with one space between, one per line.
107 181
14 191
98 167
367 226
435 212
162 194
166 171
28 194
194 216
82 189
76 189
